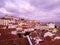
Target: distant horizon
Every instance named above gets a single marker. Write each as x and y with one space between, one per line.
30 19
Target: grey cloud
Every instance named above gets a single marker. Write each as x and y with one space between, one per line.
45 4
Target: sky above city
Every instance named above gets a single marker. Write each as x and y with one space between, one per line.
43 10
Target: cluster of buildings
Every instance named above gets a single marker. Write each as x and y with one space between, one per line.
31 29
10 21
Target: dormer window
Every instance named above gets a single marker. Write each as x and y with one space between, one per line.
22 19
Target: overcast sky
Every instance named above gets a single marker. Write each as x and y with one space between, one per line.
44 10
